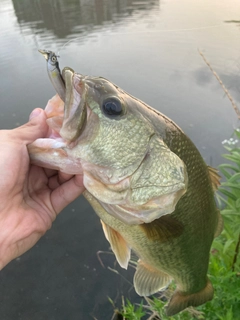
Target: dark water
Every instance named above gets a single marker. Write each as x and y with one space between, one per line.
150 49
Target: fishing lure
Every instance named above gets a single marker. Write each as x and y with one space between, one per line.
54 72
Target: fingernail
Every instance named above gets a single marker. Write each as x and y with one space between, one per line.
35 113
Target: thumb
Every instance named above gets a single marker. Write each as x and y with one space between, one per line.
35 128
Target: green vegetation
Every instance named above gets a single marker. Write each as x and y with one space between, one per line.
224 267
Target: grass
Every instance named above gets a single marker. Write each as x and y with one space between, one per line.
224 266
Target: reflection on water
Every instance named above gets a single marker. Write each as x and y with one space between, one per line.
64 18
231 81
152 54
233 21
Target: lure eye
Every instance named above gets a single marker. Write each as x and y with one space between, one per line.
54 59
112 107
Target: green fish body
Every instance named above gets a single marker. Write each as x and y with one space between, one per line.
175 246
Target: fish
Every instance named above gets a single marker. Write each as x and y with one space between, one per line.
145 179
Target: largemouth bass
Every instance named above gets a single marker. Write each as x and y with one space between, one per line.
144 178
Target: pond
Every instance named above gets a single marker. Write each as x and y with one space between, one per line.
151 50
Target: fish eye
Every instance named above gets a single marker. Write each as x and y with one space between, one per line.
112 107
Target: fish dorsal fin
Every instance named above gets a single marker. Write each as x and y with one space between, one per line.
215 177
181 301
163 229
118 244
148 280
220 225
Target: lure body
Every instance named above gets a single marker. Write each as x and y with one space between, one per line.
54 72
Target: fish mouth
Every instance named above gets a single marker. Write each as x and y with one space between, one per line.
75 109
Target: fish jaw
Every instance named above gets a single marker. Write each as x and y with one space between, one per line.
65 121
53 154
53 151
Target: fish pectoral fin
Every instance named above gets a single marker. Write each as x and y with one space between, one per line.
118 244
220 225
163 229
181 301
148 280
215 177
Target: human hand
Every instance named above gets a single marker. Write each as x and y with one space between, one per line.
30 197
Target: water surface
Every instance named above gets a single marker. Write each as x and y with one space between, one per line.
150 49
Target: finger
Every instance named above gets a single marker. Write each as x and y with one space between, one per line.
37 179
53 182
56 180
35 128
50 172
63 177
66 193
